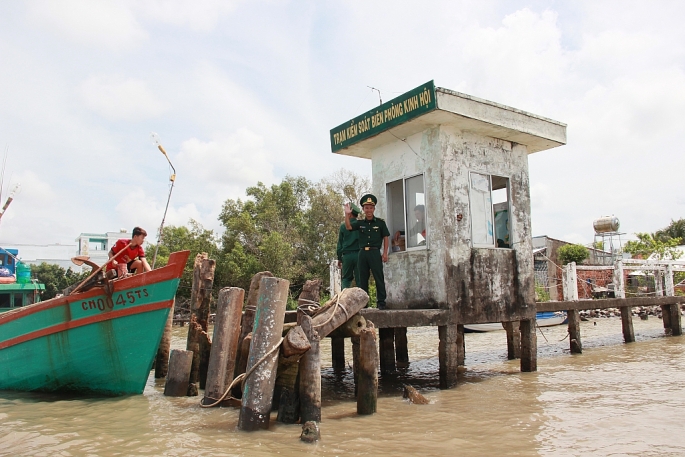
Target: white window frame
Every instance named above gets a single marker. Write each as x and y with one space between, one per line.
492 245
404 212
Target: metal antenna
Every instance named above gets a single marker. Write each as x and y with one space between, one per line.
380 100
156 142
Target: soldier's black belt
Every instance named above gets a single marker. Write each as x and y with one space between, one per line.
368 248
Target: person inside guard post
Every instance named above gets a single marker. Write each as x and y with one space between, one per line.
373 236
348 253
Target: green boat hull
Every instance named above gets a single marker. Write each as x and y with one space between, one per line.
92 342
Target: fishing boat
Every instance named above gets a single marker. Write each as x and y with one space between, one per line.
101 340
544 319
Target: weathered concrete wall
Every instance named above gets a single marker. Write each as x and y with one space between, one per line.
483 284
414 279
487 284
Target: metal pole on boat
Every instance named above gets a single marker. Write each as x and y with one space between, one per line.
172 179
15 190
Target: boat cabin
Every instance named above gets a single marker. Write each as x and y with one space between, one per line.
16 287
7 257
18 295
450 172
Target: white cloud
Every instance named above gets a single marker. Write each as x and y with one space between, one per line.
117 98
238 160
137 208
97 23
198 16
252 96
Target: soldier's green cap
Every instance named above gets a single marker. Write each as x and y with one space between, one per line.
355 209
368 199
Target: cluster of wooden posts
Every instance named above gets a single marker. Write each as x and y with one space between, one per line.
258 360
664 296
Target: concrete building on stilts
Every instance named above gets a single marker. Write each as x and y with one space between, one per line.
451 175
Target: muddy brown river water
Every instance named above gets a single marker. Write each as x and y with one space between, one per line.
614 399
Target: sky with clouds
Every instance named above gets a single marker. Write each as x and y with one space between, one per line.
247 91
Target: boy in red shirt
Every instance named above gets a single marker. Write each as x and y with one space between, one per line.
132 259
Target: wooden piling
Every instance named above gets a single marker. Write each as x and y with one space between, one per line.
513 340
675 320
287 390
666 318
311 292
575 342
253 293
200 297
401 349
222 358
355 362
529 346
367 391
626 323
352 327
387 350
162 359
338 310
310 373
338 353
241 365
246 324
178 374
259 384
448 350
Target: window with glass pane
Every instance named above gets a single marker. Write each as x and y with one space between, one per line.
415 209
395 220
481 210
406 213
489 197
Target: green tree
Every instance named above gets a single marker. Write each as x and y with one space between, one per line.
266 232
647 245
675 230
290 228
56 278
194 238
348 184
572 253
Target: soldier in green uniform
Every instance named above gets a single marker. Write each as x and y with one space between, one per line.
373 236
348 252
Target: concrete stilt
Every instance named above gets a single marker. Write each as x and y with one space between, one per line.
529 346
401 350
448 354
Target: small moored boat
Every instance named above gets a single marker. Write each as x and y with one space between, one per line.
544 319
100 341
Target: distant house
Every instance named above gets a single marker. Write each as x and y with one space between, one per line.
97 245
94 245
35 254
548 274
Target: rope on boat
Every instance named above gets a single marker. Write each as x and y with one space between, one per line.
242 378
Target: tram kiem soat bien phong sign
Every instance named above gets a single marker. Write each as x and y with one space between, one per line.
400 109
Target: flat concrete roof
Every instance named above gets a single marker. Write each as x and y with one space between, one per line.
476 115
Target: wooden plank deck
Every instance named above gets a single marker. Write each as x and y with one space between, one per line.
605 303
